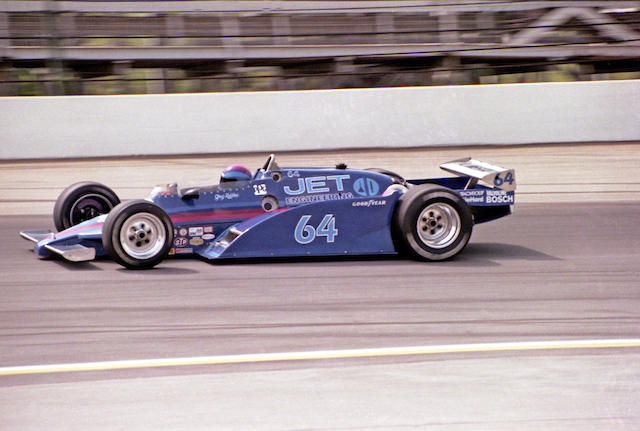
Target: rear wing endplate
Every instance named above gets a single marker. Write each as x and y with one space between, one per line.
491 175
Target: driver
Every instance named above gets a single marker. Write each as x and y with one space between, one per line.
235 173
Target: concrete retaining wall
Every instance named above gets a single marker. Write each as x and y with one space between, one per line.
88 126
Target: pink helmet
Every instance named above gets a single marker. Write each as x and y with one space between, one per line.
235 173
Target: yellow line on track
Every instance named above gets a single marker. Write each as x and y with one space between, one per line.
321 354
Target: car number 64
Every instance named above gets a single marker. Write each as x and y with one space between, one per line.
499 181
306 233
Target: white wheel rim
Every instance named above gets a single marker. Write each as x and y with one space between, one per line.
438 225
142 236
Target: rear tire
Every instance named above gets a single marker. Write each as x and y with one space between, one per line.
81 202
432 223
137 234
397 179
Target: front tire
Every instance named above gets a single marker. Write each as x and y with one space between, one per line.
81 202
137 234
432 222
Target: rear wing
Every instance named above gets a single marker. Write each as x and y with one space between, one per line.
491 175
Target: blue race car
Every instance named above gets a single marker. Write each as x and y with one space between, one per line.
282 212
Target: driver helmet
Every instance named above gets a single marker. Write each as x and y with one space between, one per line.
235 173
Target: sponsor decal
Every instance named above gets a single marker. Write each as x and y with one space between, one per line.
208 236
180 242
499 197
473 196
207 229
196 241
369 203
184 250
226 196
473 192
183 231
320 184
172 251
487 197
196 231
366 187
297 200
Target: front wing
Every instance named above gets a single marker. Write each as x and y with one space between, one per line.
77 244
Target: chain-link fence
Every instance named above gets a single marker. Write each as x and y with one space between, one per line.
104 47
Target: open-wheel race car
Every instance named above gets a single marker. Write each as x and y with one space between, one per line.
282 212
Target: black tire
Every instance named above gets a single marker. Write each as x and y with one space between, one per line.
432 223
137 234
81 202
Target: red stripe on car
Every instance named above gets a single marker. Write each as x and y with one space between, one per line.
221 215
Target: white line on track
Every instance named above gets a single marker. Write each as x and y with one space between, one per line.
320 354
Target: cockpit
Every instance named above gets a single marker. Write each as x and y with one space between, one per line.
238 173
233 176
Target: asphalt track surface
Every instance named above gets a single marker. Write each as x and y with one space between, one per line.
562 272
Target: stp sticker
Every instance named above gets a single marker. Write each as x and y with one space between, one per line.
180 242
